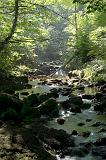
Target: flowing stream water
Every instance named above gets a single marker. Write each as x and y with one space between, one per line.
72 120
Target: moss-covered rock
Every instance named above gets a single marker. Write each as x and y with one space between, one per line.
75 108
29 113
45 96
10 101
49 108
31 101
54 93
86 105
100 105
28 109
76 100
60 121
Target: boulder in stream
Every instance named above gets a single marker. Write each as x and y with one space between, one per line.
87 96
88 120
66 104
75 108
31 101
98 95
54 93
78 151
60 121
85 134
25 93
86 105
28 109
100 106
76 100
102 130
100 142
97 124
81 124
74 132
100 103
43 97
49 107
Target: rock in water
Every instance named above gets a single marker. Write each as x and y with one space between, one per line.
75 108
49 107
61 121
76 100
74 132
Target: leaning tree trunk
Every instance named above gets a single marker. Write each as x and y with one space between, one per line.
14 24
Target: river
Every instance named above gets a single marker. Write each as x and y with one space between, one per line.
72 120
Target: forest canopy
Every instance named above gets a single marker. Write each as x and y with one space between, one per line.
34 31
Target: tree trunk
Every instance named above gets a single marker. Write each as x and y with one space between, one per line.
14 24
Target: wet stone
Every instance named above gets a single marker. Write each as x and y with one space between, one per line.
25 93
65 93
66 104
80 151
97 124
102 130
85 134
87 96
98 95
75 108
75 100
74 132
100 142
60 121
81 124
88 120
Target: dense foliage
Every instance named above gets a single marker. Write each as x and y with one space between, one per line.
48 30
